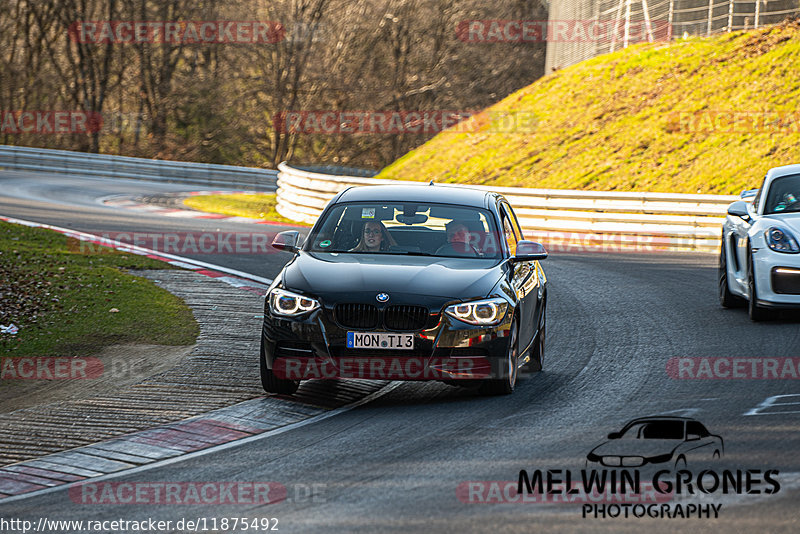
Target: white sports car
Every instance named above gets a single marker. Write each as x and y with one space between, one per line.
759 260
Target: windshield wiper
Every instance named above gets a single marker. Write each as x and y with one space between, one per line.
410 252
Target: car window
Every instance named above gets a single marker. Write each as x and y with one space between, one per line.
759 196
511 237
633 431
514 222
431 229
695 427
655 430
783 195
663 430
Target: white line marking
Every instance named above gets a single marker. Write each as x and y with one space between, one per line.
770 402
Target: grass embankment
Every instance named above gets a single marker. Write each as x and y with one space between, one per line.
625 121
239 205
59 295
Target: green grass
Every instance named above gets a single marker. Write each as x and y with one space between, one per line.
612 123
239 205
59 295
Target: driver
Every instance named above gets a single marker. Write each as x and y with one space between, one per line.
374 238
458 240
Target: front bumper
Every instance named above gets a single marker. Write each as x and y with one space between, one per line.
314 347
777 278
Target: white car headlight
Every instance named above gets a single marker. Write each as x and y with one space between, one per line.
781 240
486 312
289 304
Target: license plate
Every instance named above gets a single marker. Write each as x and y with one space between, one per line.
379 340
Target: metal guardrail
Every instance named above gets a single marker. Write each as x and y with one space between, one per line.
564 219
81 163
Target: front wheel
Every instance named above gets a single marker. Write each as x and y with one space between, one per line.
756 312
726 298
504 385
273 384
537 359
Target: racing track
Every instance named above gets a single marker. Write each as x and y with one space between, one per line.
393 465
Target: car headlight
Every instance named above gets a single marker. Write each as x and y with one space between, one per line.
781 240
480 312
288 304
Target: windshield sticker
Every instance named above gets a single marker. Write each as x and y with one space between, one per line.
325 244
367 213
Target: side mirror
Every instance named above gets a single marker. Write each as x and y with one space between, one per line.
288 241
529 251
692 437
614 435
739 209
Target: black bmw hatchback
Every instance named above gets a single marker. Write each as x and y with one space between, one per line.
410 282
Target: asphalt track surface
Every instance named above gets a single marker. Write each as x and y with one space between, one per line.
394 464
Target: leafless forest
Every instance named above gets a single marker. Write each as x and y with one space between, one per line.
215 102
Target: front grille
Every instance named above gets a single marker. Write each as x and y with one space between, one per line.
461 352
405 318
786 281
357 315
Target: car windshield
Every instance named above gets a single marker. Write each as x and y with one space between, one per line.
407 228
784 195
655 430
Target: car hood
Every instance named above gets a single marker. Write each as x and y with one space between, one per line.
637 447
357 276
791 220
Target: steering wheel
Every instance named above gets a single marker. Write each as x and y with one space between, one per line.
449 248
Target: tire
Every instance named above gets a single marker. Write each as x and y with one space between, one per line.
508 379
726 298
537 358
273 384
756 312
